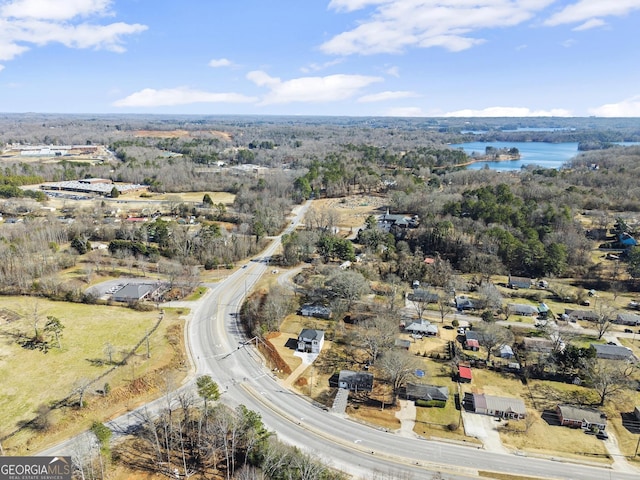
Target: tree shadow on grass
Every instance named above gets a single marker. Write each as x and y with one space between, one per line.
630 422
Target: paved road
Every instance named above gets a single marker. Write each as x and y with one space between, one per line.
219 349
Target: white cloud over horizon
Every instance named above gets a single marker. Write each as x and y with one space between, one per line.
169 97
509 112
629 107
330 88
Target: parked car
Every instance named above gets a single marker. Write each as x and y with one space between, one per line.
602 435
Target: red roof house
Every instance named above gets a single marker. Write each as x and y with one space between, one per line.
464 373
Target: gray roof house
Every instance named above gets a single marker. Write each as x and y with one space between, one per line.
537 344
423 328
318 311
505 407
523 309
134 292
589 315
613 352
505 351
519 282
355 381
628 319
464 303
417 391
579 417
310 341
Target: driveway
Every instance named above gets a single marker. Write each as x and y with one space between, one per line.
484 428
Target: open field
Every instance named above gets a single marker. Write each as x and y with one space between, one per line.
91 335
353 210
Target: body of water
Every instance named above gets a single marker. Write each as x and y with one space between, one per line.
542 154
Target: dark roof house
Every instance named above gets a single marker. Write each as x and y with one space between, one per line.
355 381
417 391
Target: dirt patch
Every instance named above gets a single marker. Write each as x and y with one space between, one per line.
223 135
161 133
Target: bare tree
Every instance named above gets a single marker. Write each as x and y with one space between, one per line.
399 366
605 313
493 335
607 377
377 335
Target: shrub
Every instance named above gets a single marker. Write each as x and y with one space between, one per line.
430 403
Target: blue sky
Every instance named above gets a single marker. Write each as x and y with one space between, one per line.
322 57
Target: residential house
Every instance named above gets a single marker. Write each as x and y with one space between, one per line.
310 341
317 311
580 417
423 296
464 303
519 282
505 351
613 352
536 344
636 412
504 407
388 221
464 374
522 309
588 315
471 340
355 381
628 319
422 328
136 292
417 391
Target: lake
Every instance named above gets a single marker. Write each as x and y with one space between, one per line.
543 154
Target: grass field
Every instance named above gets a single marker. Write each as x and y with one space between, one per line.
32 379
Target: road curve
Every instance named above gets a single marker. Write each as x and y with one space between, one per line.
218 348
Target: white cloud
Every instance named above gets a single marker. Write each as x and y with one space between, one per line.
25 24
54 9
509 112
396 25
388 95
220 62
351 5
1 67
568 43
310 89
315 67
393 71
629 107
589 24
405 112
584 10
150 97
